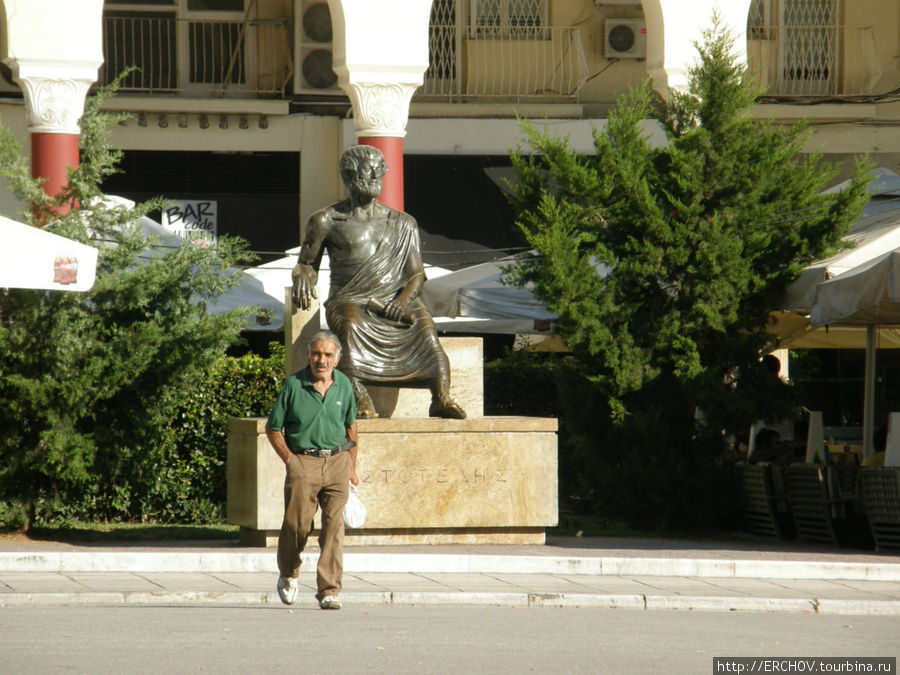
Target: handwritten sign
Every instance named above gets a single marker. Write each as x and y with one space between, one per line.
194 220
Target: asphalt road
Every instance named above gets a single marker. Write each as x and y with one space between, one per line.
384 639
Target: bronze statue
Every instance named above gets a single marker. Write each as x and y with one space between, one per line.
376 278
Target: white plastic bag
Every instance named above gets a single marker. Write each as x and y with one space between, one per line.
355 510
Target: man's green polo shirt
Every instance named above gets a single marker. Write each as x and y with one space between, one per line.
309 420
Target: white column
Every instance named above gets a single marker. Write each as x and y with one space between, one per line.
54 51
380 55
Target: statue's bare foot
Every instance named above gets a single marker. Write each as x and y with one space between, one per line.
446 408
365 409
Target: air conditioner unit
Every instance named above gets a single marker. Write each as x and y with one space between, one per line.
626 39
316 74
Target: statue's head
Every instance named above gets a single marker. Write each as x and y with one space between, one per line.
362 167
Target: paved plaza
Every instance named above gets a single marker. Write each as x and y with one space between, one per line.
614 573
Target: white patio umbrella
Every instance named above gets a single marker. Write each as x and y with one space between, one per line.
31 257
477 292
874 234
846 301
867 296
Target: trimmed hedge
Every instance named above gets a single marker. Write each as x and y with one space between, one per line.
181 480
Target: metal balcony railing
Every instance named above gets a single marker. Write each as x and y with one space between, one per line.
541 63
253 57
797 60
172 55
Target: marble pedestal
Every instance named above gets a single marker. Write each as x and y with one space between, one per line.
423 481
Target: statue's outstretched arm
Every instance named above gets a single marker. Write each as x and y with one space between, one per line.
304 274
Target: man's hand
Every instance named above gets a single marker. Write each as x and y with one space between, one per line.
353 477
276 440
304 285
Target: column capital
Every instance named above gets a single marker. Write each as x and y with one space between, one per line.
380 109
54 93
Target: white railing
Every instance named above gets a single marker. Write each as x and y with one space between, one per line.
547 63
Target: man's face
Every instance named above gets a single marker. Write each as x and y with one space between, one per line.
323 357
367 182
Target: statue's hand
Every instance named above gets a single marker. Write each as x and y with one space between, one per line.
304 285
395 310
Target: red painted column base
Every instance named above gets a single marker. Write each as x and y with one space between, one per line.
51 156
392 185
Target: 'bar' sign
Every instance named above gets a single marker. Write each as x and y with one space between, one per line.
194 220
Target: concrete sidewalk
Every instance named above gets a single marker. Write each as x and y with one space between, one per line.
567 572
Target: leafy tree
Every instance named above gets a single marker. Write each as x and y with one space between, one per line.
662 264
90 381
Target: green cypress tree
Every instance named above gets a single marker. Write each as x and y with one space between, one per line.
89 381
662 264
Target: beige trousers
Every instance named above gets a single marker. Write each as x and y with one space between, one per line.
310 483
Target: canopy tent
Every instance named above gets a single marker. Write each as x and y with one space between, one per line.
869 296
261 287
477 292
875 233
849 301
32 257
256 289
474 300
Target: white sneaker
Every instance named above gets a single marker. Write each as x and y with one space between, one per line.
330 602
287 590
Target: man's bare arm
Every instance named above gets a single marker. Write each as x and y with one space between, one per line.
276 440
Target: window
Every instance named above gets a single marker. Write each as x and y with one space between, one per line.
215 5
508 17
808 63
145 40
759 20
176 44
807 35
216 52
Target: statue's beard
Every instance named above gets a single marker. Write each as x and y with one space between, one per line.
367 189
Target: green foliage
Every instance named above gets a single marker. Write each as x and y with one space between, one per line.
662 264
90 383
238 387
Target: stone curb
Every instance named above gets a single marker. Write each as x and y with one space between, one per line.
533 600
424 563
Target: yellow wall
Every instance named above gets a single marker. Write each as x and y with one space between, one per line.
871 48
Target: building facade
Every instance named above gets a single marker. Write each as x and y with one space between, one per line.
245 105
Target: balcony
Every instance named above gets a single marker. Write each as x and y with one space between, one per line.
815 61
250 58
543 63
253 58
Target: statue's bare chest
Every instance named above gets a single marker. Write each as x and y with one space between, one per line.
352 239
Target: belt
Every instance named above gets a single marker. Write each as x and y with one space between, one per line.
326 452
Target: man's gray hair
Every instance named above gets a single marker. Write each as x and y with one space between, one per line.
349 163
324 335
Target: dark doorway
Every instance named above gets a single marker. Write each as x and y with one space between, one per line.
256 193
463 216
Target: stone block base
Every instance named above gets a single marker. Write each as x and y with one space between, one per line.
411 537
466 384
423 481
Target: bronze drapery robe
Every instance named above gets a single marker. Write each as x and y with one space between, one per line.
381 350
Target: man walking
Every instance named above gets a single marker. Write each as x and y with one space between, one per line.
312 427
